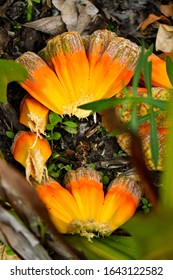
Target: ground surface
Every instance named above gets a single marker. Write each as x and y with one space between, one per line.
92 144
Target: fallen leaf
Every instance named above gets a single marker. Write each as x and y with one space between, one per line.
50 25
151 19
19 238
164 38
4 6
68 12
167 10
47 3
86 13
76 15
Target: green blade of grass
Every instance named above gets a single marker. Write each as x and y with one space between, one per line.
154 145
167 191
135 83
102 104
154 139
145 118
169 68
137 73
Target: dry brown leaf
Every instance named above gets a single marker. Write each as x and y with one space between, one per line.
76 15
19 238
47 3
167 10
164 39
50 25
86 13
152 18
68 12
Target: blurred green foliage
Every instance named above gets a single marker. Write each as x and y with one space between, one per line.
10 71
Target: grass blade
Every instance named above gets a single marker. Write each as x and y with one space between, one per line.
169 69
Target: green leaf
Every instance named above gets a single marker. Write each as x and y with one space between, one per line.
10 134
114 247
105 180
49 126
144 200
169 69
10 71
56 136
70 124
48 137
54 119
60 165
71 130
102 104
9 251
91 165
153 234
51 167
55 155
67 167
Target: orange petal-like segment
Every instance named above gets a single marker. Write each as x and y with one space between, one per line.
77 62
54 56
66 53
98 42
24 141
32 152
67 56
87 190
43 83
33 114
121 201
60 204
120 55
159 73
